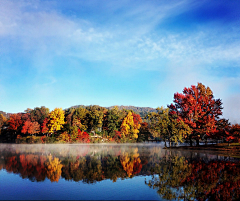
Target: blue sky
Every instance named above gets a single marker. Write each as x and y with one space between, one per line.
64 53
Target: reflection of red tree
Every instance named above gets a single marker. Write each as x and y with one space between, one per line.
137 166
215 180
33 166
12 164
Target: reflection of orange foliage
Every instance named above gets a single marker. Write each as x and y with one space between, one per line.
33 165
131 164
54 169
11 164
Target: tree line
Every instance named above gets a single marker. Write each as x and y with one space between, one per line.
194 116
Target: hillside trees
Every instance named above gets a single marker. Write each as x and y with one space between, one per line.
197 108
95 117
113 121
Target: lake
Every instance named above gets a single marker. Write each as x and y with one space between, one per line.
115 172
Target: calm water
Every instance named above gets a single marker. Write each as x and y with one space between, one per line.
115 172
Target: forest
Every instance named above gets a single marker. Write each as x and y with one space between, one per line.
194 116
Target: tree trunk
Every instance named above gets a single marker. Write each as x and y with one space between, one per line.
190 141
169 139
197 140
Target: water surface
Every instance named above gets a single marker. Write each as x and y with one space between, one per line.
115 172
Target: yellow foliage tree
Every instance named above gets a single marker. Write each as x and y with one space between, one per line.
129 128
56 120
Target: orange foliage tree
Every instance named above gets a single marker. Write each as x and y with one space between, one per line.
31 127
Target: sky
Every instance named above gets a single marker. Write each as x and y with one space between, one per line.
117 52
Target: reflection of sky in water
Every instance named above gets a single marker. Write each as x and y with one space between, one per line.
14 187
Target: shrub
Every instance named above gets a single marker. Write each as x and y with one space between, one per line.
82 137
64 137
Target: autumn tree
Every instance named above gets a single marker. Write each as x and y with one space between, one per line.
197 108
15 122
39 114
168 127
222 131
76 118
56 120
235 132
44 126
131 125
31 127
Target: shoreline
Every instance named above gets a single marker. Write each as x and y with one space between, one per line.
222 148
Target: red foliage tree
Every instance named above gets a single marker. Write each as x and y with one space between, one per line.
44 126
117 137
26 126
197 107
82 136
136 118
15 122
235 132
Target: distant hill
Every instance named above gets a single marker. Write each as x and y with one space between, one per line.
142 111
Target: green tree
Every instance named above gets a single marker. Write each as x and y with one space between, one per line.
168 127
95 117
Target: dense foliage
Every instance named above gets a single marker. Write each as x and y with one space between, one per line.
194 116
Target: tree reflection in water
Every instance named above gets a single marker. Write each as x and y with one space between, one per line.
179 178
175 175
